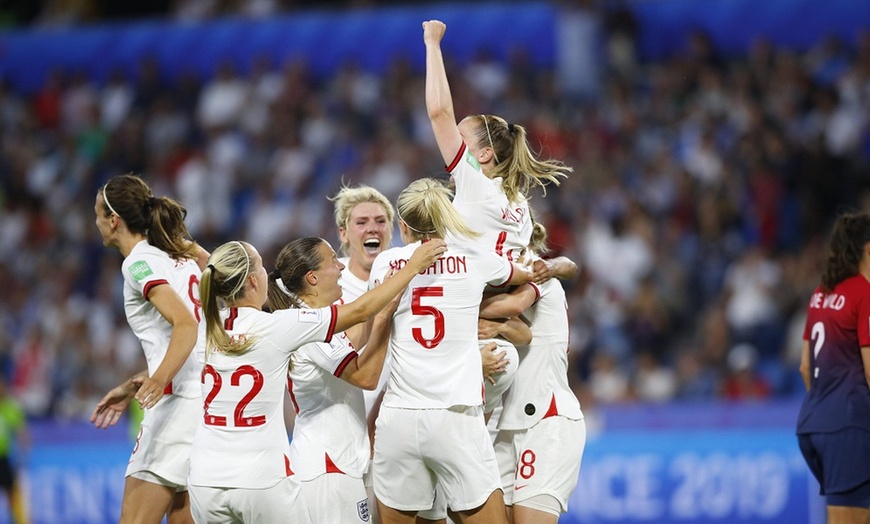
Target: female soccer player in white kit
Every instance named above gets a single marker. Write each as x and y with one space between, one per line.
430 430
239 467
490 162
324 383
161 276
488 158
541 430
364 218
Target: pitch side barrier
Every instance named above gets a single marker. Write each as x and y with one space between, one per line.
705 463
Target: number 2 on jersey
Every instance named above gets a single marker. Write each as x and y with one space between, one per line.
239 420
817 335
419 309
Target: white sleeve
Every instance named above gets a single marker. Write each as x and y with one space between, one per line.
471 184
334 356
496 270
296 327
143 272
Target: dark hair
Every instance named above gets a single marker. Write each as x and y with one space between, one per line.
160 219
294 261
224 279
851 233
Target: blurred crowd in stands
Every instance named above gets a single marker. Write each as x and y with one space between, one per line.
703 189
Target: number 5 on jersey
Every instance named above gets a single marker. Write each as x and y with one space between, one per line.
419 309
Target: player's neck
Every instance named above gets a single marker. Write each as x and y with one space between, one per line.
128 242
358 270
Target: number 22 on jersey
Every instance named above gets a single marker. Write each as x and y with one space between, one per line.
239 419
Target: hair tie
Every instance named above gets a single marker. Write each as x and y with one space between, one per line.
511 128
283 288
209 266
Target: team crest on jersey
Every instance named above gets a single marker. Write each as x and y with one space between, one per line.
140 270
472 161
310 316
362 509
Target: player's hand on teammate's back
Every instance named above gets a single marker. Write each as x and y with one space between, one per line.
428 252
493 364
543 271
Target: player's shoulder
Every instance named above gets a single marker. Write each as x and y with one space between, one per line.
145 251
392 254
855 286
144 261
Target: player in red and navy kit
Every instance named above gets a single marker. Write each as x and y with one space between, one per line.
430 430
161 276
239 466
834 423
324 383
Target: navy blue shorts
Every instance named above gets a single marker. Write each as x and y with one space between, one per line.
839 462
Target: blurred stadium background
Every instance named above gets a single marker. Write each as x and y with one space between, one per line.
713 143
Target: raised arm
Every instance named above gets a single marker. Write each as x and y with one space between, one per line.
439 102
372 301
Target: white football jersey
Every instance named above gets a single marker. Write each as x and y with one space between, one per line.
540 387
506 227
330 433
145 268
241 441
435 361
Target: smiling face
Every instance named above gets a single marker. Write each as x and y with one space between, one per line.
366 234
325 277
